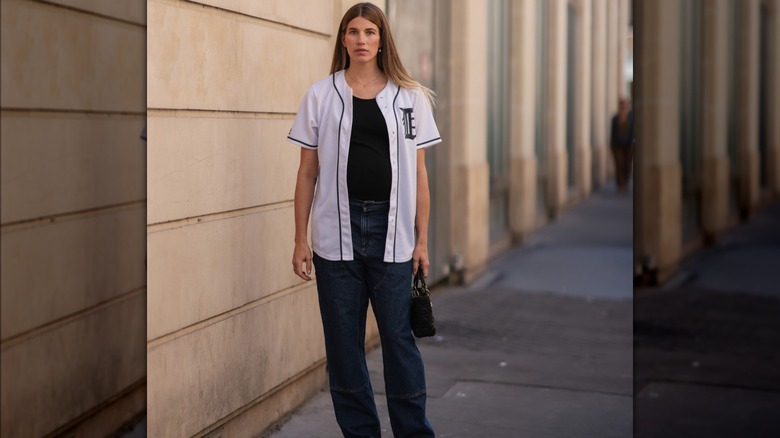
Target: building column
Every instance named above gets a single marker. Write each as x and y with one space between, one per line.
656 43
599 117
468 134
613 52
522 171
714 123
622 41
773 116
612 86
583 147
747 119
556 107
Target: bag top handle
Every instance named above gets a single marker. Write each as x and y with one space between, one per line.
419 279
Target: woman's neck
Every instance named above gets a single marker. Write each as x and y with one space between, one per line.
364 72
365 80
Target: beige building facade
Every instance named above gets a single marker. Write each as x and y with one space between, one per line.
73 207
708 148
234 338
162 281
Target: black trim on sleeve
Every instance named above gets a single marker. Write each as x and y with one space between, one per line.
302 143
429 141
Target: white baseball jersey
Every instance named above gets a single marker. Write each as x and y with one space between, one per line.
324 123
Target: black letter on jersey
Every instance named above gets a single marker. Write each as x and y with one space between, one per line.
409 123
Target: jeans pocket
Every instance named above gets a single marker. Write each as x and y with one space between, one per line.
331 273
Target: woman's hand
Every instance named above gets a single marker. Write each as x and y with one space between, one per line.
302 261
420 259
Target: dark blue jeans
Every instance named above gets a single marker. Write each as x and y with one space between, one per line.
344 290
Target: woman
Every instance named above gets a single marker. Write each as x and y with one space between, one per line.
362 174
622 142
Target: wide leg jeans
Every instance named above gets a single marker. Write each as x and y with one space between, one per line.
344 290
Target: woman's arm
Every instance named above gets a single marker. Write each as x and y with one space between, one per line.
304 194
420 257
613 132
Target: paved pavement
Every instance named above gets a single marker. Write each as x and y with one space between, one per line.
540 346
136 429
707 343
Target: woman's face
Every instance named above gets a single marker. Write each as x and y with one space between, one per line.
361 40
623 107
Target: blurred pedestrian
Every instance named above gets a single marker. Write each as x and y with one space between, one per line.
622 144
362 132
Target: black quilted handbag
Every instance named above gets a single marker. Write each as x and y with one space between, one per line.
422 312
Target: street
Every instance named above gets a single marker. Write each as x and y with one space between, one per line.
706 343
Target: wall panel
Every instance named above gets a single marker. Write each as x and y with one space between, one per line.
200 59
128 10
55 376
56 67
197 379
199 271
203 165
59 269
62 163
298 13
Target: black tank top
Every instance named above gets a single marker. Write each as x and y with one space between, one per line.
369 174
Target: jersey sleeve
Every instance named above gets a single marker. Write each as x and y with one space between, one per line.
305 128
427 132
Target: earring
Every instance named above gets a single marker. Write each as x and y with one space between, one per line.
380 50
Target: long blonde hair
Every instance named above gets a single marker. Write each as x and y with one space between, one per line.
388 60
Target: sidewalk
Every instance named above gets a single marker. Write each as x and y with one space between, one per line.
540 346
707 344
